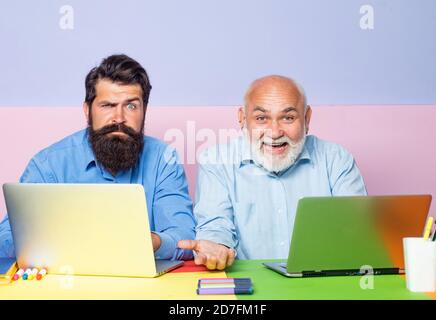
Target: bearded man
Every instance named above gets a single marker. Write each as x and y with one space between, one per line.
114 149
248 190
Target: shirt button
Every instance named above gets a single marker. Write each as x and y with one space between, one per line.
282 243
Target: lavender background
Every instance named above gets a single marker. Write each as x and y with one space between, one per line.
206 52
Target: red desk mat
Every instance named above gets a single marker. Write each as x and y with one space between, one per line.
190 266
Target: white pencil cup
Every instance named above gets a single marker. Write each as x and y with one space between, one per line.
420 264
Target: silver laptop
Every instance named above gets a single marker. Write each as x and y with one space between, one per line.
83 229
353 235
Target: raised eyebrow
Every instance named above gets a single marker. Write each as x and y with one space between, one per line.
133 99
257 108
290 109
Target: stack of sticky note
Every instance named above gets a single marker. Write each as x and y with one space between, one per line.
224 286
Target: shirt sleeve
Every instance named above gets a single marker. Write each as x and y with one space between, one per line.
213 209
345 177
172 208
32 174
6 243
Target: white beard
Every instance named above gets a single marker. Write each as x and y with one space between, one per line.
270 162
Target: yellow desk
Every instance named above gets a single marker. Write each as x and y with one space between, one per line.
181 285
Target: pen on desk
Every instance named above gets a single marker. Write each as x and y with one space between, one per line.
18 274
237 283
41 274
427 229
224 285
26 274
225 291
227 283
210 280
434 233
32 274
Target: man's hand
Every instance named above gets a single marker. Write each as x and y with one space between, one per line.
155 239
211 254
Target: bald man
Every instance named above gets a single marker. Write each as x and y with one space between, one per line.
248 190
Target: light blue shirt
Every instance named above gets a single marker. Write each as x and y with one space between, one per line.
241 205
72 160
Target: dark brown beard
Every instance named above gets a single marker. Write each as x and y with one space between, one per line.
116 153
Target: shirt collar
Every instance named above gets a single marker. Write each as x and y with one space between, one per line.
89 153
305 154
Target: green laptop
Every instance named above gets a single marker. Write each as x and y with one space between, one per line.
355 235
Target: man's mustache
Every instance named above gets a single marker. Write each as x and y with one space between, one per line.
117 127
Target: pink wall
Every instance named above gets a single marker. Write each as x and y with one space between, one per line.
393 145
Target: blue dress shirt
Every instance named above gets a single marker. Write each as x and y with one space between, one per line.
72 160
241 205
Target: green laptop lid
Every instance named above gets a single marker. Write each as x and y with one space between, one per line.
344 233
